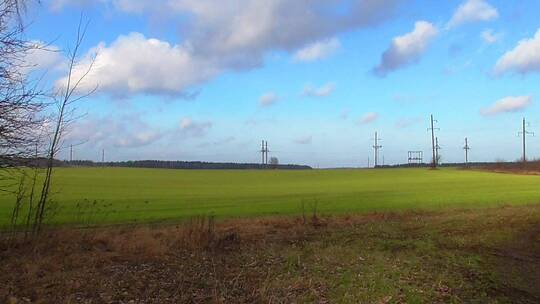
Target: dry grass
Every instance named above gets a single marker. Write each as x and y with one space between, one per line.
450 256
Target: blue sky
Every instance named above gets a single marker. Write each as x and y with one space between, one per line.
208 80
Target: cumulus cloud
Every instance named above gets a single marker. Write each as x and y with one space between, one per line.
42 57
368 118
507 105
472 11
490 37
220 37
131 131
322 91
523 59
318 50
306 140
139 139
406 49
192 128
268 99
128 131
134 64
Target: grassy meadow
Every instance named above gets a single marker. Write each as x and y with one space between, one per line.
460 236
124 195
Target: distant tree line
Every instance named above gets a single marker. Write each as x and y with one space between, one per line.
164 164
470 164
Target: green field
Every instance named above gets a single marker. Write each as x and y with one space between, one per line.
158 195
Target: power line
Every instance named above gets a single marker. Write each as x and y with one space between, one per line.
376 148
466 148
264 152
432 129
437 148
524 133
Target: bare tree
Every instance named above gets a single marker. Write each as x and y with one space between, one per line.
20 101
24 130
21 108
64 101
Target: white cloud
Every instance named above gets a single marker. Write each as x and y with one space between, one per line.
192 128
472 11
42 57
131 131
127 131
306 140
134 64
322 91
523 59
268 99
139 139
406 49
490 37
507 104
368 118
318 50
219 37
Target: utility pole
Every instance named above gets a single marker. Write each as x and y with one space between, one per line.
437 148
466 148
524 133
433 147
368 162
70 153
376 148
262 152
266 153
103 156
